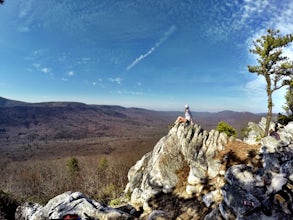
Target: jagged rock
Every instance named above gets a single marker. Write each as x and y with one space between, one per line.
182 146
271 162
214 168
276 183
26 211
243 177
289 128
256 131
197 174
194 189
286 168
226 211
210 198
238 200
70 203
214 215
247 188
157 214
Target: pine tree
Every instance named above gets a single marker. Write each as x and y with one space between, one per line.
273 65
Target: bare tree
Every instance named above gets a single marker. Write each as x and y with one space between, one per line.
273 65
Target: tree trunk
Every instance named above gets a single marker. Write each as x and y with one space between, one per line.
269 113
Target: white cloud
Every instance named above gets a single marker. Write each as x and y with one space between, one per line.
288 51
24 9
279 99
45 70
256 87
256 94
25 16
70 73
128 92
167 34
99 82
283 20
252 8
39 68
279 18
117 80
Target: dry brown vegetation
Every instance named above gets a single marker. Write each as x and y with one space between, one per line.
236 152
101 176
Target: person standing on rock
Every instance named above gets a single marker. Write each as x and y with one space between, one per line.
188 117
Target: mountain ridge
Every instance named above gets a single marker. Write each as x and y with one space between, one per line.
5 102
42 125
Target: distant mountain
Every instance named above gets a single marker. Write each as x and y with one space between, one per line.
10 103
238 120
50 121
23 125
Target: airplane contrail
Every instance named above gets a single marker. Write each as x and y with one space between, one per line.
167 34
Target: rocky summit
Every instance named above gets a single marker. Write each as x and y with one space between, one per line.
195 174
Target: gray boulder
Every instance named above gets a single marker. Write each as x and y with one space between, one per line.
241 175
26 211
256 131
238 200
74 203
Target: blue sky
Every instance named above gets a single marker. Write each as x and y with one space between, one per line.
152 54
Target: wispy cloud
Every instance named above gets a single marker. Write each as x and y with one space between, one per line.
46 70
117 80
283 22
256 87
39 68
277 18
24 15
98 82
70 73
167 34
128 92
252 8
256 92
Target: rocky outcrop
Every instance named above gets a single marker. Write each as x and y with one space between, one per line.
264 192
69 203
255 132
187 176
242 191
188 148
